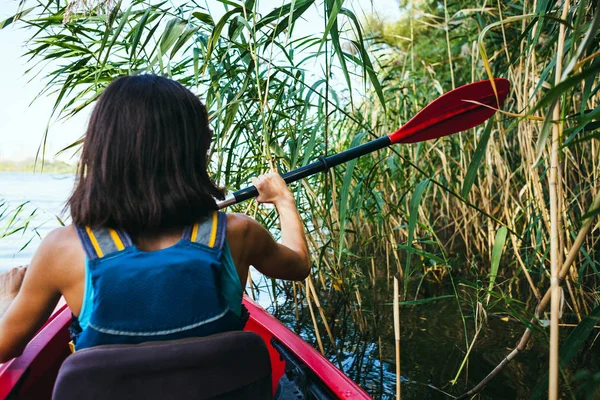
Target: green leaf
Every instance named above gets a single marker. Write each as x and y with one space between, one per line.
15 18
558 90
590 214
185 36
196 56
335 40
569 349
280 12
124 20
496 256
364 55
425 301
587 40
290 20
111 20
415 202
216 34
334 7
421 253
294 14
203 17
544 134
137 32
422 301
310 147
172 32
345 190
476 161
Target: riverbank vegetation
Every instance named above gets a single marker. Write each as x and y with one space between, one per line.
32 165
479 225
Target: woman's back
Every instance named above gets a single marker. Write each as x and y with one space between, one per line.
134 296
142 183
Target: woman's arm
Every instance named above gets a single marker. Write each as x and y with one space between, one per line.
286 260
34 302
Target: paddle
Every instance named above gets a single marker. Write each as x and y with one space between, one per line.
447 114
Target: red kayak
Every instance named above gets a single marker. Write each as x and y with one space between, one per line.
293 362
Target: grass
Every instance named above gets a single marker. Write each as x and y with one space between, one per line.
436 212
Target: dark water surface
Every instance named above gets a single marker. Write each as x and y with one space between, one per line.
433 342
432 350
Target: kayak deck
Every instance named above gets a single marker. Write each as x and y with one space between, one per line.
33 374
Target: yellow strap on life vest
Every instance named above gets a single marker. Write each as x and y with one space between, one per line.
209 239
194 233
100 242
115 237
213 232
94 241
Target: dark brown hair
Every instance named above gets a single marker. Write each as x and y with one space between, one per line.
144 161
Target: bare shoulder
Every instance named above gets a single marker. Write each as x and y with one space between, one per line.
66 232
246 238
59 250
59 241
240 224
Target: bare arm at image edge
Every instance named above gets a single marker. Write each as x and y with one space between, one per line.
36 299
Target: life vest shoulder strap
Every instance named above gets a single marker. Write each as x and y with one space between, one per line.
100 242
209 231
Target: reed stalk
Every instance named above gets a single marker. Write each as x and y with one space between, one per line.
296 312
397 336
311 288
555 221
313 318
447 32
251 286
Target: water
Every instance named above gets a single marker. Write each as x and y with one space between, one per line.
432 340
44 195
432 349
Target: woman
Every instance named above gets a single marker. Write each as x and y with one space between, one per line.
148 256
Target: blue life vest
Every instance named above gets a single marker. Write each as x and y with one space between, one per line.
167 294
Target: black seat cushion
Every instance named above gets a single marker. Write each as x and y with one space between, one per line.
232 365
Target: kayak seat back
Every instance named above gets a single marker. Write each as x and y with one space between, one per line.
231 365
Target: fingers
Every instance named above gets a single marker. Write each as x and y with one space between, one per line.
10 281
271 187
259 183
266 178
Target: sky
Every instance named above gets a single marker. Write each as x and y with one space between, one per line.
24 121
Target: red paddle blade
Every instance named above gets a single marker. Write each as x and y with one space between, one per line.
449 113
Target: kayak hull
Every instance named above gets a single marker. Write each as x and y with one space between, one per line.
32 375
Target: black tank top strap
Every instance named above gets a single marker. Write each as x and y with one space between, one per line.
100 242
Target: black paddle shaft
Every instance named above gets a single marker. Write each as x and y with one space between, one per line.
323 164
